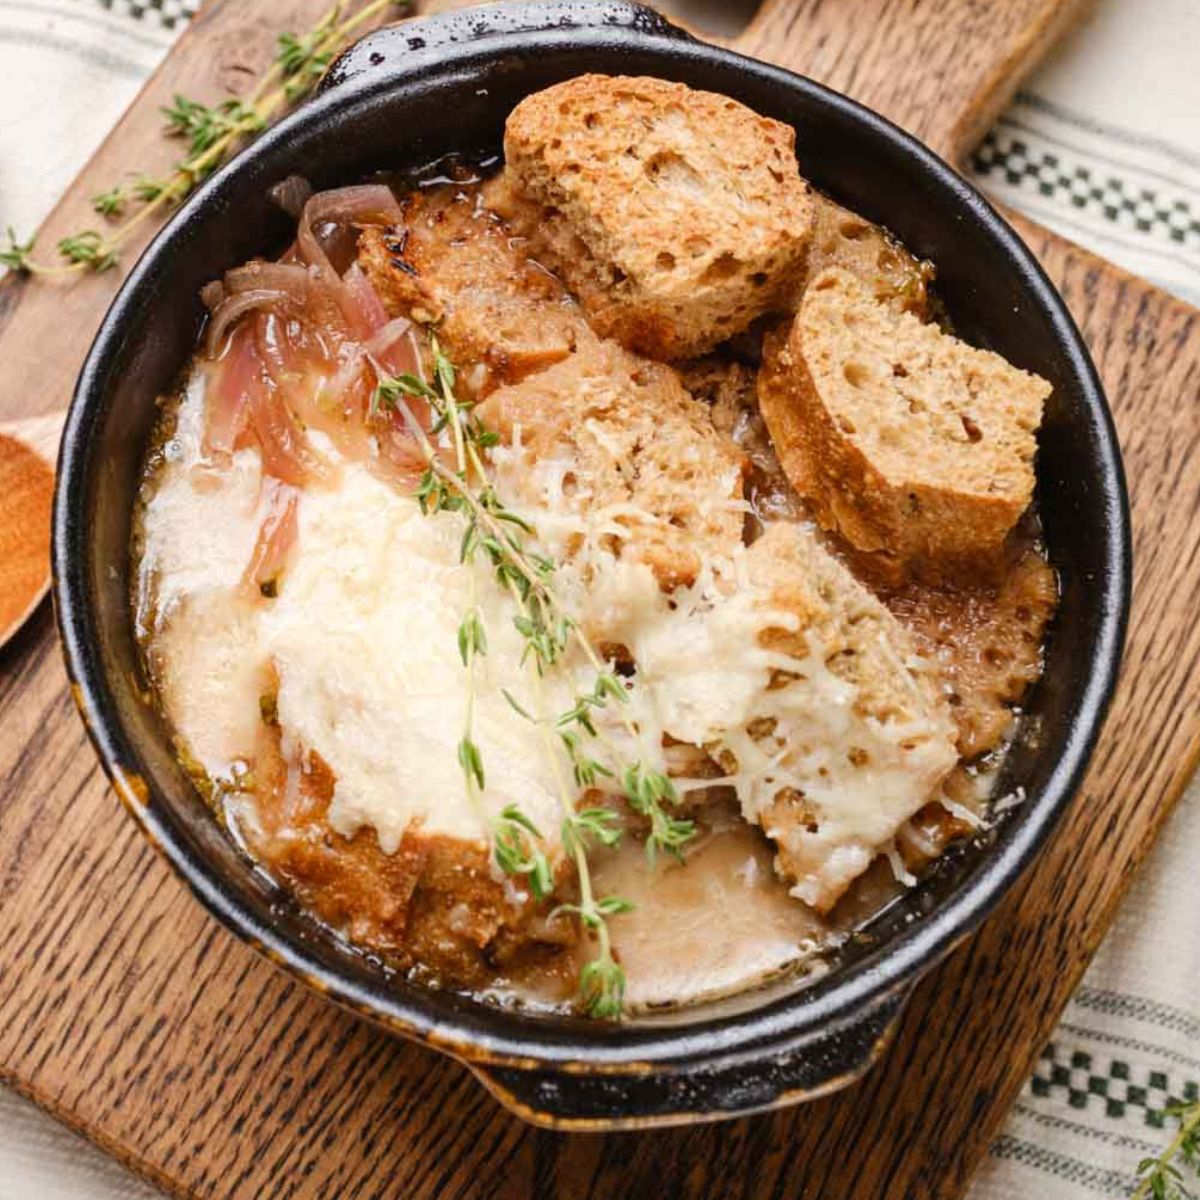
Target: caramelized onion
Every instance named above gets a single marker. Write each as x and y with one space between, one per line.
299 347
400 459
290 278
292 194
372 315
286 452
275 539
238 374
232 309
366 204
395 348
212 293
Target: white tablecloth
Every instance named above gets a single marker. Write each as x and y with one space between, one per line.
1104 145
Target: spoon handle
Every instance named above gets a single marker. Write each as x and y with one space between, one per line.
41 434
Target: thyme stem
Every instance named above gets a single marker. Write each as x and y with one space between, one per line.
492 528
215 132
1160 1177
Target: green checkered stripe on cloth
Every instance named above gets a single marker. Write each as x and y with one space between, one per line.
1117 1087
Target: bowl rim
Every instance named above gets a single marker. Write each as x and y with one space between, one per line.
493 1034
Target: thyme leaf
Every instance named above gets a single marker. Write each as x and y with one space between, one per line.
211 132
646 790
1161 1178
497 535
15 254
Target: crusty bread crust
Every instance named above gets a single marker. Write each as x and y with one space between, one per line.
454 262
915 447
862 643
436 902
676 216
638 443
985 642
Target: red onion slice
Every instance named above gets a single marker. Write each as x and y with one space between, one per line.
276 536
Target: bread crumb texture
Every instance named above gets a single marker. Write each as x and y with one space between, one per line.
675 216
915 447
634 444
858 734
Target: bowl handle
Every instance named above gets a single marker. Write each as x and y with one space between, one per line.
788 1071
403 46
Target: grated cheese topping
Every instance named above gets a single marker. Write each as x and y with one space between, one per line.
362 638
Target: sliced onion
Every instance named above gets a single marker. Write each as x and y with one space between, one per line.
292 194
233 309
395 348
276 536
253 286
286 452
292 278
238 374
401 461
212 293
372 315
346 376
365 204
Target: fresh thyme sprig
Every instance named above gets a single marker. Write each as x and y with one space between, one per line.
517 844
498 534
212 133
546 628
1161 1178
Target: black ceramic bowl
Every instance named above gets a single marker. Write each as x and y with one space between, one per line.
401 98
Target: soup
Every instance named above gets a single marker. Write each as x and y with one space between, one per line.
601 580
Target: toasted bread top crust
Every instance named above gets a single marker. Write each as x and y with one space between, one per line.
456 263
685 211
917 448
634 444
925 407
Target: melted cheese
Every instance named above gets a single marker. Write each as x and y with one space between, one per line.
704 678
363 641
362 638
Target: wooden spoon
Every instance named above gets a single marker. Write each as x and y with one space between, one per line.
27 452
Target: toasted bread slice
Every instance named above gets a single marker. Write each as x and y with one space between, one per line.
894 276
454 262
915 447
852 737
675 216
629 453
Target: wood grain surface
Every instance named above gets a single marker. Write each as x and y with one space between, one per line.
128 1012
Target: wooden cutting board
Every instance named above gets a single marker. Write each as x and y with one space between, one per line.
126 1011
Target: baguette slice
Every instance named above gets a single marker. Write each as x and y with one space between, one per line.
915 447
614 445
675 216
852 740
453 262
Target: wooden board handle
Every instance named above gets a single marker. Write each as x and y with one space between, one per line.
942 69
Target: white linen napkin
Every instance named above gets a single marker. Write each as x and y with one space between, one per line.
1103 145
